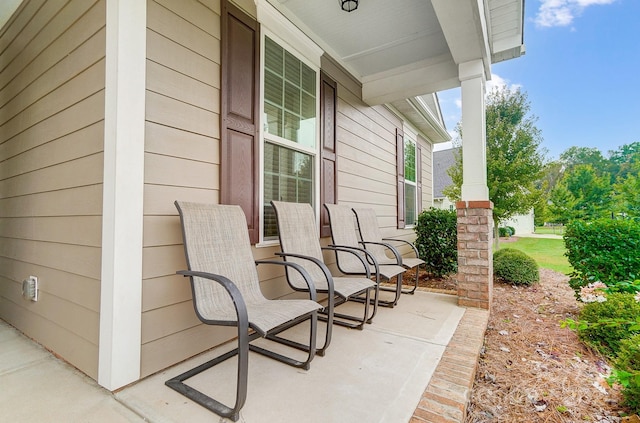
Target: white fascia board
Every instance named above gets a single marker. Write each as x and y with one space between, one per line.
432 121
123 189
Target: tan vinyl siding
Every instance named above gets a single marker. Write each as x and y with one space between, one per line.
427 175
366 160
51 154
182 157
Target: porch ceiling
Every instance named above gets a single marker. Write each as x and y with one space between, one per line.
406 48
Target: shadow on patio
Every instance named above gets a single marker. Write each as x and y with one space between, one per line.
376 375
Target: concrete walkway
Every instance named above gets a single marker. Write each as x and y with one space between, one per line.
381 374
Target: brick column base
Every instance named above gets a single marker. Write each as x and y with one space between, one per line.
475 254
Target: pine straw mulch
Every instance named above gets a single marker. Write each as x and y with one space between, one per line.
531 369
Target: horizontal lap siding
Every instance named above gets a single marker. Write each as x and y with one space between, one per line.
366 155
181 163
427 175
51 154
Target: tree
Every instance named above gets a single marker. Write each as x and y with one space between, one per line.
574 156
514 157
627 192
581 194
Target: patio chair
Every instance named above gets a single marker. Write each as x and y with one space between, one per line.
373 241
226 292
344 234
300 244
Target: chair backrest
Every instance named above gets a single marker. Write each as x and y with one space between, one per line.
370 231
298 234
216 241
344 232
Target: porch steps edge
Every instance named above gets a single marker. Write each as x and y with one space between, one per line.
446 397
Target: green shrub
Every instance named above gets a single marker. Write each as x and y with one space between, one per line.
628 358
437 240
512 229
628 361
603 337
603 250
504 232
514 266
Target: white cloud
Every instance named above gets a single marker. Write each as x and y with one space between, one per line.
562 12
497 82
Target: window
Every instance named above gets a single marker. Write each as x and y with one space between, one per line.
290 131
410 182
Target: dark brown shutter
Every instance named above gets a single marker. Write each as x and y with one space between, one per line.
239 178
419 175
400 170
328 171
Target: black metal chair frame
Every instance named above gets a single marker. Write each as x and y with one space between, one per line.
397 255
378 272
247 332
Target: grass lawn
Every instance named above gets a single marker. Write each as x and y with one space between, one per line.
548 253
553 230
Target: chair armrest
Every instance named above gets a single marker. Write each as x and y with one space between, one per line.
390 247
300 269
354 251
410 244
319 263
232 290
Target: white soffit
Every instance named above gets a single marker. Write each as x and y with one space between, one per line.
506 29
7 8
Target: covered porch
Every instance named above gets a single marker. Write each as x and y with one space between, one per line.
415 362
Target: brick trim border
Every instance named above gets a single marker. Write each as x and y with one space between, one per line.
446 398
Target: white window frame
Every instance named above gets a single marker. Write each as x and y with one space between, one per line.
275 26
411 134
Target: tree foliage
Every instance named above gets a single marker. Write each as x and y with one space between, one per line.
592 186
515 159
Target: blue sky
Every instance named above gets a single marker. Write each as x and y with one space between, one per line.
581 73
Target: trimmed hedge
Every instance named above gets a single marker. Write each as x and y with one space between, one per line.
437 240
603 250
515 266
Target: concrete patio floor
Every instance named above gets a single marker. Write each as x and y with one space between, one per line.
379 374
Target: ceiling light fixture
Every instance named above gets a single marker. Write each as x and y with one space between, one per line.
349 5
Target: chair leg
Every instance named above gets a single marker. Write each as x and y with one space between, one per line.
361 320
415 285
233 413
310 348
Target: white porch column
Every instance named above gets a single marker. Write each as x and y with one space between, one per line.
121 279
474 160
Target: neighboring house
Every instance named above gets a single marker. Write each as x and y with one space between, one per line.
112 109
442 161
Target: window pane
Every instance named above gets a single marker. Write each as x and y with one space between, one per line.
289 96
273 57
308 109
409 161
291 126
409 204
288 177
292 98
308 80
273 88
273 116
292 68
